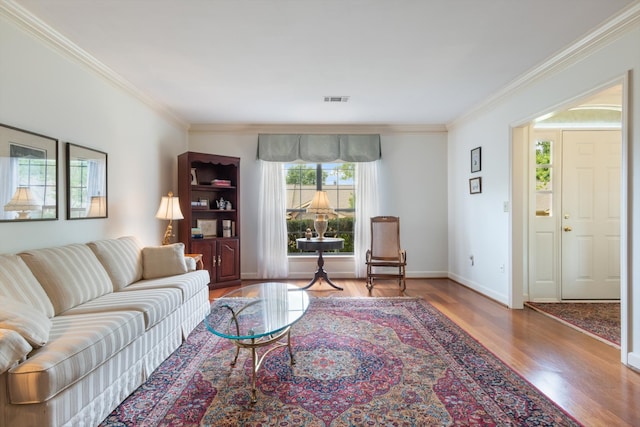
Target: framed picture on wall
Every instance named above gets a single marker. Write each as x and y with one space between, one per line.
476 159
475 185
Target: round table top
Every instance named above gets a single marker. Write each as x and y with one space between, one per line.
257 310
314 244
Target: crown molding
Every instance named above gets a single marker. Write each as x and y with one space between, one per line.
45 33
315 128
600 36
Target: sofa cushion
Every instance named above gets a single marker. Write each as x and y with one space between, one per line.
189 284
122 258
18 282
69 274
25 320
77 345
162 261
154 304
13 348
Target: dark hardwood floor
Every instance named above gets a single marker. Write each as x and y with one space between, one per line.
581 374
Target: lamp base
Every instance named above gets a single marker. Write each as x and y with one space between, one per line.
168 234
320 224
23 215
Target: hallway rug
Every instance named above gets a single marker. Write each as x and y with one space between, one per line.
359 361
599 320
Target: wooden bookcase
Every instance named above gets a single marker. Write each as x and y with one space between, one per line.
203 180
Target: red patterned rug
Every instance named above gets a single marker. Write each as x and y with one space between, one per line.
600 320
359 361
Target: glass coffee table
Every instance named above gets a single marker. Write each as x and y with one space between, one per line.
257 316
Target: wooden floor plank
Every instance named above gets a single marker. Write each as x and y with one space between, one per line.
581 374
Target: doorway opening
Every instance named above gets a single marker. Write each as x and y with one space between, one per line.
575 201
542 190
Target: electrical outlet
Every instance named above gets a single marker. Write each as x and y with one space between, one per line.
472 260
502 268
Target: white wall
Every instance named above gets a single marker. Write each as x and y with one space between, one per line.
477 224
44 91
414 187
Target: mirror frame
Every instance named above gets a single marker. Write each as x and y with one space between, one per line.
30 141
74 154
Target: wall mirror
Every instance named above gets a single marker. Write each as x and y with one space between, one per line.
86 182
28 175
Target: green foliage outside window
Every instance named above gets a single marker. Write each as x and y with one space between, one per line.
543 165
303 175
294 227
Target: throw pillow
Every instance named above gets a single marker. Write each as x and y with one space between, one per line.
25 320
162 261
18 283
12 348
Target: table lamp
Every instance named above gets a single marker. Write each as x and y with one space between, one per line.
321 207
169 209
97 207
22 202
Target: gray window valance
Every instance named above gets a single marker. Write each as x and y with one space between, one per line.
318 148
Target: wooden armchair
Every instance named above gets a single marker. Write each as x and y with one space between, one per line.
386 259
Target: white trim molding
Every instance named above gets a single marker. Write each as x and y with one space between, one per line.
611 29
45 33
328 128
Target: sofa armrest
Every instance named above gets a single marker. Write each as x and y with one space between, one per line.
197 261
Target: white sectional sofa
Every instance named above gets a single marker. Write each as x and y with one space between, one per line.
83 325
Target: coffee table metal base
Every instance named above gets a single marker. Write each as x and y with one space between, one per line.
255 343
256 361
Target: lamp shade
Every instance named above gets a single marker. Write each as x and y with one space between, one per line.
320 204
23 200
98 206
169 208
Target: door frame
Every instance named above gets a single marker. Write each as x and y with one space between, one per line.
519 216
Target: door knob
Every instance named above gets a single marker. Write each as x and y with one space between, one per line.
568 229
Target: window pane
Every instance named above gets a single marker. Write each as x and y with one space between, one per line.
544 204
543 179
337 180
543 152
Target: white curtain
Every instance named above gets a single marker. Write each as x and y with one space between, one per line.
367 205
8 184
272 224
96 174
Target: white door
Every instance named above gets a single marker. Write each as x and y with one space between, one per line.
590 228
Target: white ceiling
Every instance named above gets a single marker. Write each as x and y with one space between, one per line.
273 61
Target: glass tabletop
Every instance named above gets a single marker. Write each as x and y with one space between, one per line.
256 311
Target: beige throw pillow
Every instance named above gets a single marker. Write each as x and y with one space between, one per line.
25 320
162 261
12 348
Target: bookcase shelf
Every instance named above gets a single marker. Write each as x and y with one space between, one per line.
221 248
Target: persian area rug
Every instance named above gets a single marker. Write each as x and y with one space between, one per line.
359 361
600 320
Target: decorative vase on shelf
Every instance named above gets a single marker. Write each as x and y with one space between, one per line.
221 203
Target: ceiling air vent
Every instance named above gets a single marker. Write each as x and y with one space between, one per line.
336 98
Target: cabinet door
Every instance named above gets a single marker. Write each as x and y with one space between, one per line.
228 260
207 249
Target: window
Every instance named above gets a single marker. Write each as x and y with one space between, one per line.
302 181
37 173
544 181
78 188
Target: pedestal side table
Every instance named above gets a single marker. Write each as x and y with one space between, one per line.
320 245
